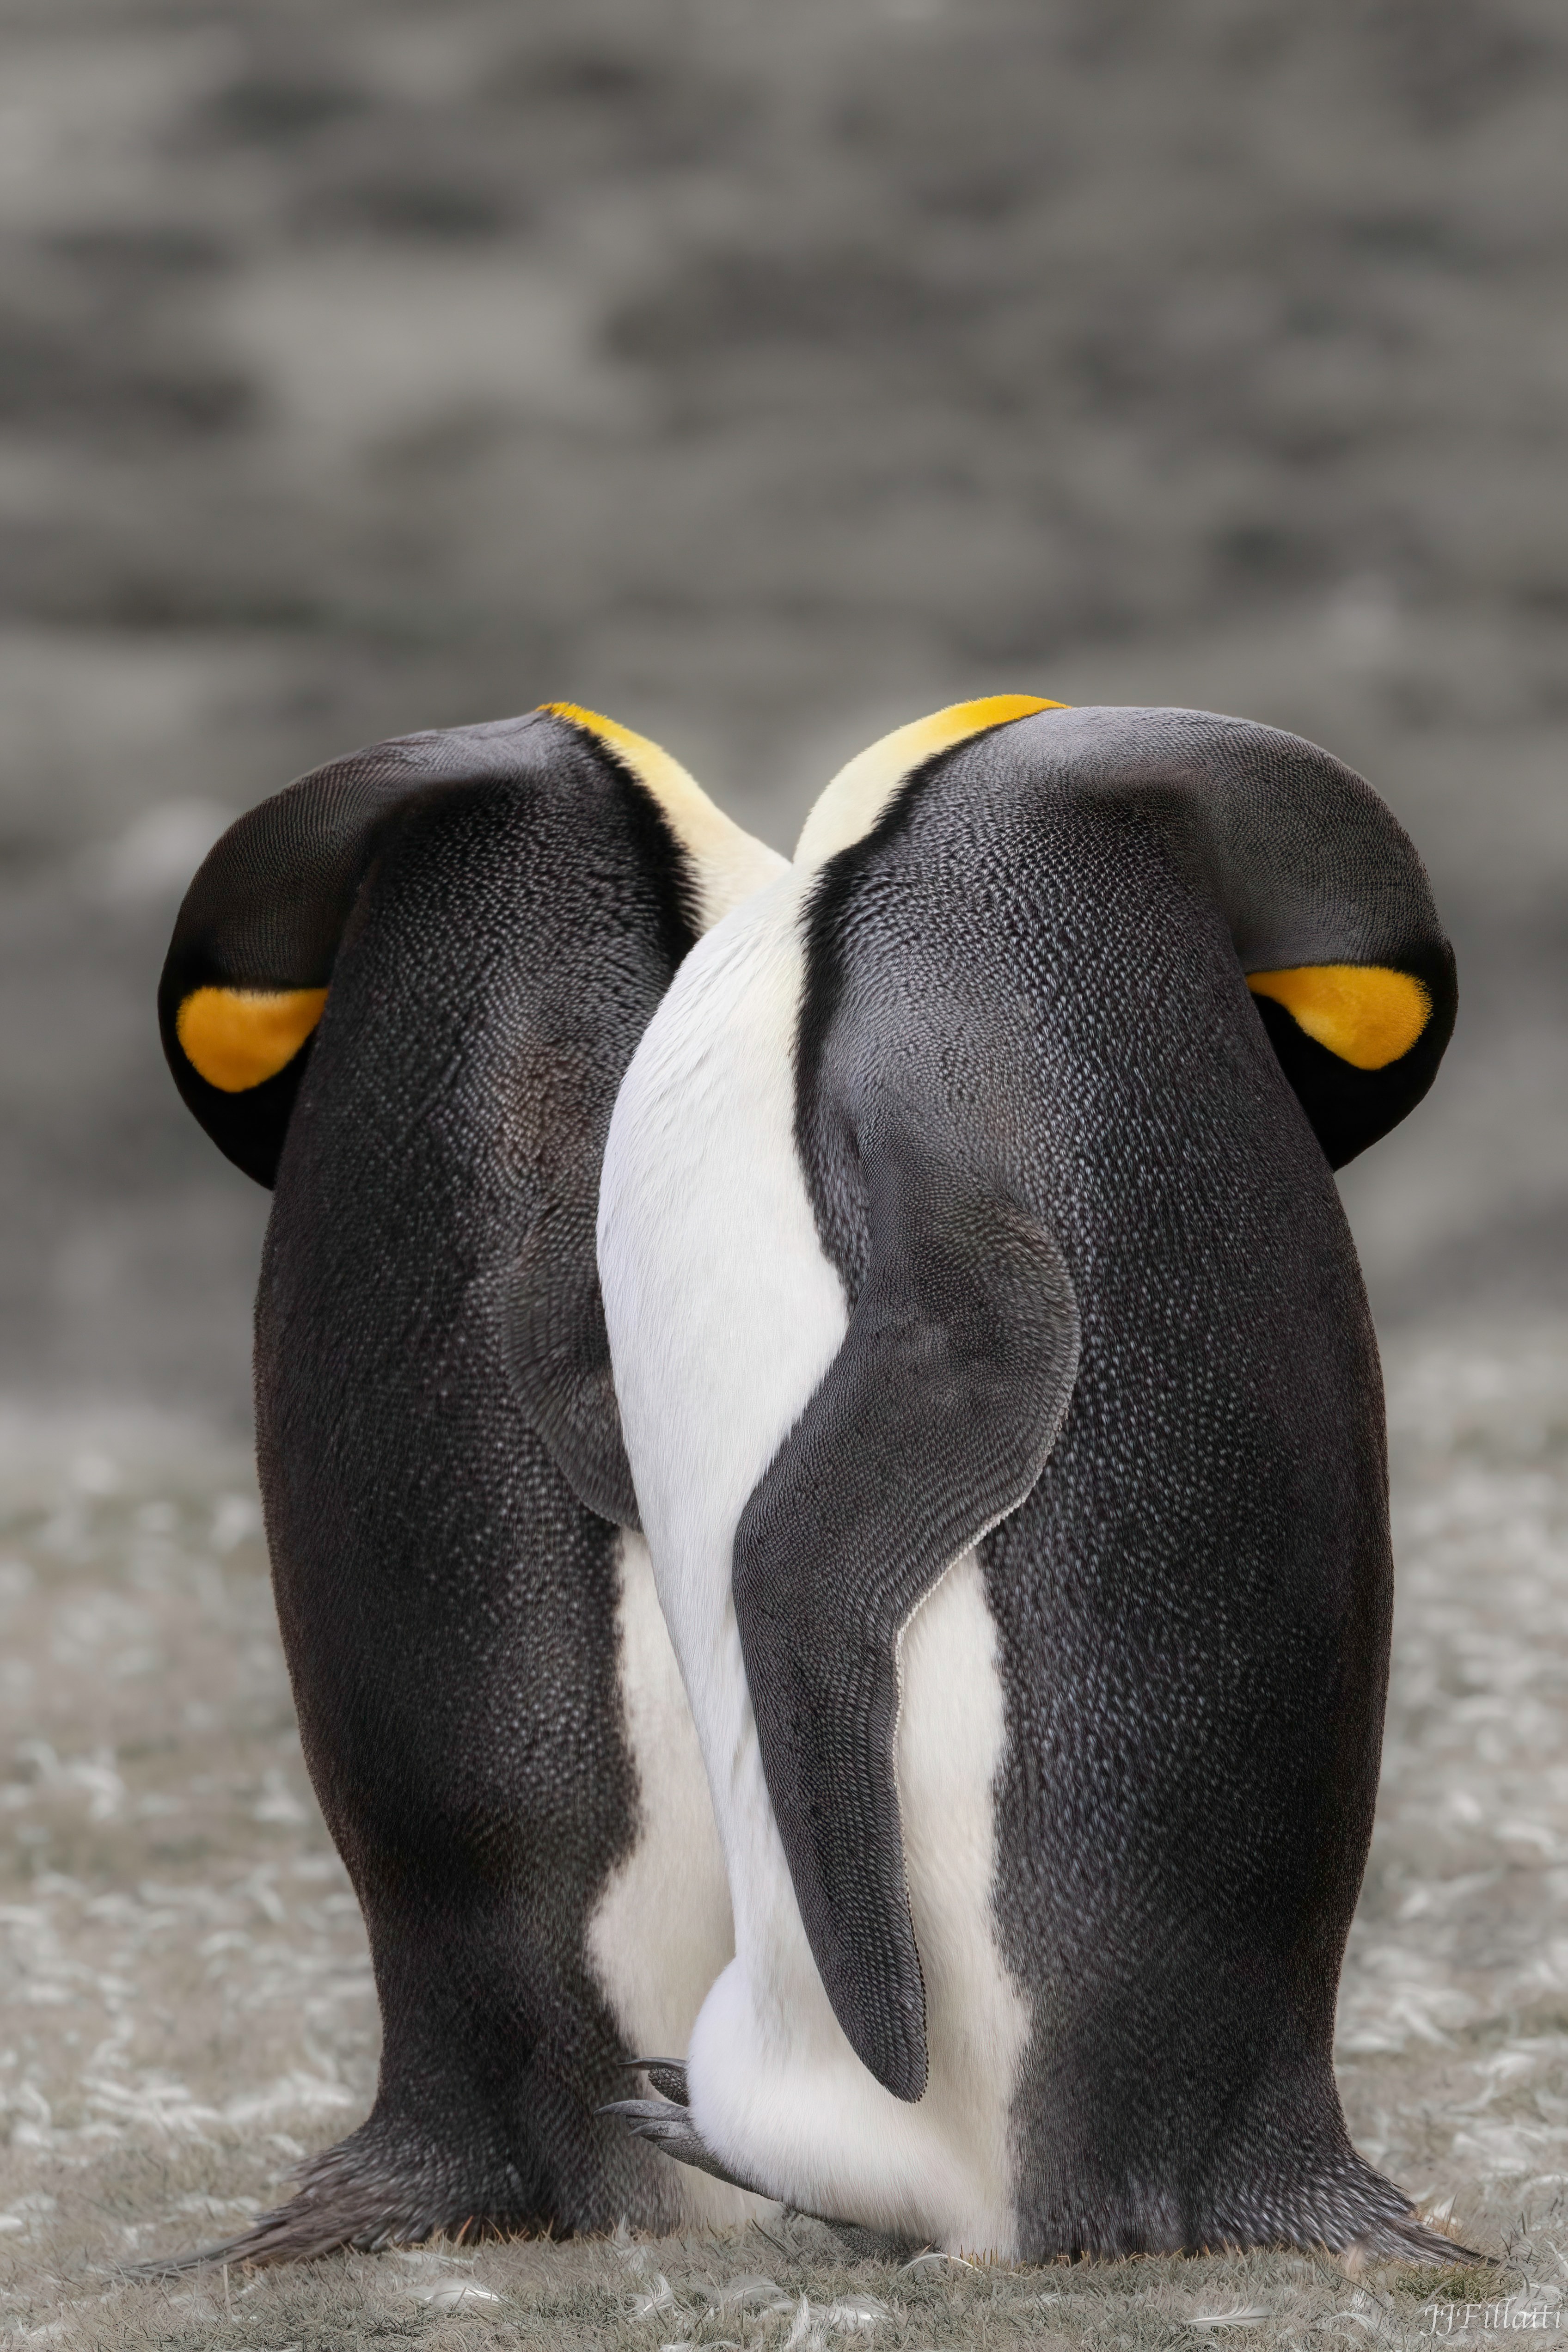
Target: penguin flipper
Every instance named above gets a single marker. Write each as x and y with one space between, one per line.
932 1422
558 1351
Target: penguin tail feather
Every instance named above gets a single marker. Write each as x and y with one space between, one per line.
1406 2239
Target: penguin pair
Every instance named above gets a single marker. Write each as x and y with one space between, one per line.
403 994
1006 1420
1001 1409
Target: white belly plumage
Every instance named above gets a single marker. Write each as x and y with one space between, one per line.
662 1929
724 1315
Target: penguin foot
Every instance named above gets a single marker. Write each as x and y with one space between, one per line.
668 2125
668 2076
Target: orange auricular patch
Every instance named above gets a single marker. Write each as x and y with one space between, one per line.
1364 1014
238 1038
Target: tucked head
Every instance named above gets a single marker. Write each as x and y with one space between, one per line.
250 965
1327 903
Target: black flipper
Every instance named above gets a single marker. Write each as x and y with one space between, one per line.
934 1422
558 1351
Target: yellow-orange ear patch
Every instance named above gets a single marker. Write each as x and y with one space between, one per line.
237 1038
1365 1013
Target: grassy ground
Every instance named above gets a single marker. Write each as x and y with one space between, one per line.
187 2008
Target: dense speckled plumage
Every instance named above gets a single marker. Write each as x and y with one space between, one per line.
1099 1288
499 910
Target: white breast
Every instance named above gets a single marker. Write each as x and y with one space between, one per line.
723 1315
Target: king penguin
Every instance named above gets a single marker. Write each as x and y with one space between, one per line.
1005 1415
402 994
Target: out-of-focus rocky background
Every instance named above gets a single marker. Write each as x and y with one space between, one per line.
763 375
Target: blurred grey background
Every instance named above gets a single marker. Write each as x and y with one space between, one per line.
764 372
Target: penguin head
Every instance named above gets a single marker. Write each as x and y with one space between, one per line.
1328 904
249 967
